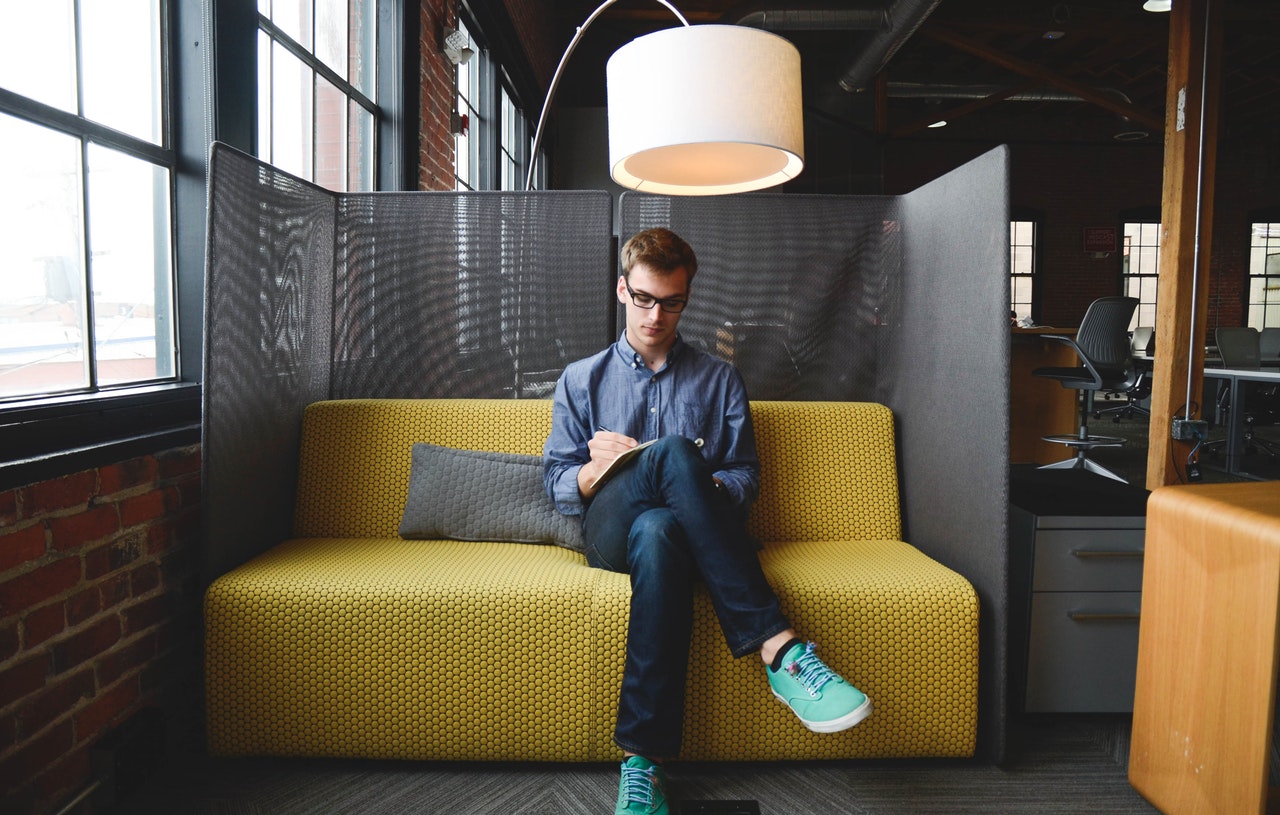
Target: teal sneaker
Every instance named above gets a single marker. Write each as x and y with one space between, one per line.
820 697
643 788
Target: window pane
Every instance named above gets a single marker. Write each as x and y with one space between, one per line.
120 42
294 19
360 158
37 52
331 34
42 295
264 97
364 43
330 136
291 119
130 267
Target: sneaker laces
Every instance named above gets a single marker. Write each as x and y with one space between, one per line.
638 784
810 671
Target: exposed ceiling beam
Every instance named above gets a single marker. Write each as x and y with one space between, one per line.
1038 72
962 110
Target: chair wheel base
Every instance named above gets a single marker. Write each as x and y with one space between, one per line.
1087 443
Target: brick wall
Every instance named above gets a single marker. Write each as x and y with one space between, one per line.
436 98
99 615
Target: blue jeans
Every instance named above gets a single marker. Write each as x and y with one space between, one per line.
661 521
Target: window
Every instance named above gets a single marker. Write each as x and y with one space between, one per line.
1263 308
106 113
1022 266
1141 269
86 213
316 89
492 135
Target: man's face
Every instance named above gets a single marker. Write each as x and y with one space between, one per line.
652 331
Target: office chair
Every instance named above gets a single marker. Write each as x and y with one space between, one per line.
1102 345
1138 385
1242 348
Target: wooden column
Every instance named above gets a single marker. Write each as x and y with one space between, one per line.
1195 30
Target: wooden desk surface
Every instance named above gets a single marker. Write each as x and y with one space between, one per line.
1207 648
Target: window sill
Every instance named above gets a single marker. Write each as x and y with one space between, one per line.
55 437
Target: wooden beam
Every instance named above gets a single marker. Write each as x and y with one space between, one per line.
1039 72
1195 57
962 110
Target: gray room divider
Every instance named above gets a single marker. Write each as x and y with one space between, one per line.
312 294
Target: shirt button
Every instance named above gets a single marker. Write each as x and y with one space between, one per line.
653 410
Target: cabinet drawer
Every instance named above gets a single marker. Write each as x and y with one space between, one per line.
1083 653
1088 560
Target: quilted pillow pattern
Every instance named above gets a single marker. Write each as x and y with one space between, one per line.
472 495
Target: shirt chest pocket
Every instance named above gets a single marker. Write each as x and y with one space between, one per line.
697 421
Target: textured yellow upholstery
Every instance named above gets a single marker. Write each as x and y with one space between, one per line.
348 641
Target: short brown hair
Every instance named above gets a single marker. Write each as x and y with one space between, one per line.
662 250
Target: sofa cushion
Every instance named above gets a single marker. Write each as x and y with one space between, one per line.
474 495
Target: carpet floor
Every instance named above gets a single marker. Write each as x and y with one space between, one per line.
1057 765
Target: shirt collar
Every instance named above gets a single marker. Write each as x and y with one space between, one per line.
631 356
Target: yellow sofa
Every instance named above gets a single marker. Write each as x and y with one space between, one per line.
347 640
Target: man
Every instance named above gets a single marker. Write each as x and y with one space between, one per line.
674 515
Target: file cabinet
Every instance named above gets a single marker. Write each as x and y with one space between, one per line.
1075 593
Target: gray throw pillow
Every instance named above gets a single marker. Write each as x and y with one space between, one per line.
477 496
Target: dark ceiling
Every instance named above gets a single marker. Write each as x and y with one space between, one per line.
1006 70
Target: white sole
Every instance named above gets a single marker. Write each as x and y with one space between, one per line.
845 722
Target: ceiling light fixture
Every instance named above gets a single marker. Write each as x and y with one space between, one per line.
699 110
1157 5
939 123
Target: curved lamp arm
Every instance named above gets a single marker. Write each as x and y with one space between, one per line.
555 80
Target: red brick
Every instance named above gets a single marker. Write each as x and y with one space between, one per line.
127 474
18 546
38 585
117 663
8 732
108 708
8 641
90 526
25 763
114 590
55 701
83 604
115 556
144 579
61 493
80 648
43 623
60 781
17 681
144 615
142 508
8 507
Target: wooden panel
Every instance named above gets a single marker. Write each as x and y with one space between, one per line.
1039 406
1207 648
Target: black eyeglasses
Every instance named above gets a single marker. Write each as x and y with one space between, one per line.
671 305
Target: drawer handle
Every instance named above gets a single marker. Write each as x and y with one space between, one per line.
1102 617
1107 553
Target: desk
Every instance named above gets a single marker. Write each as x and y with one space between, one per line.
1236 379
1039 406
1206 681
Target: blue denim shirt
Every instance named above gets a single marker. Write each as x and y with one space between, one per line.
694 394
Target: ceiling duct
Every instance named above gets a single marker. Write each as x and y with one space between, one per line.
891 24
933 90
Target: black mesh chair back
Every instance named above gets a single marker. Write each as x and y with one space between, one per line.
1239 348
1103 337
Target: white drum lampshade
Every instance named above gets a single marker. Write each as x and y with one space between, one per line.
705 110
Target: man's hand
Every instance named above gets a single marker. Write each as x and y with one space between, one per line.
605 446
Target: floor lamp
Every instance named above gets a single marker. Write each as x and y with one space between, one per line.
698 110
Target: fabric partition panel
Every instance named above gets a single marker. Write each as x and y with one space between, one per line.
471 294
796 290
315 295
268 312
950 355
